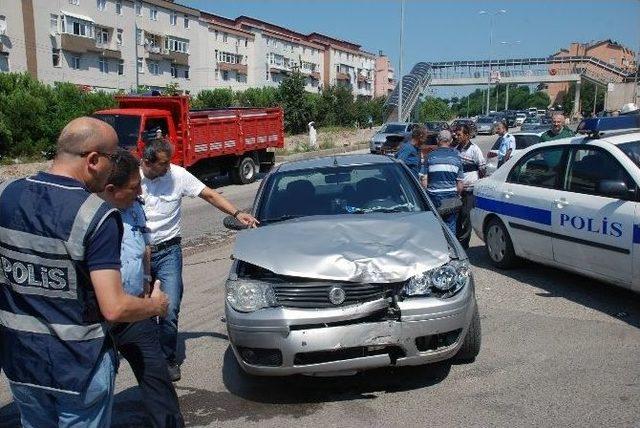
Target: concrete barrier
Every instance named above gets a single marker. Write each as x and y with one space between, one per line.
318 153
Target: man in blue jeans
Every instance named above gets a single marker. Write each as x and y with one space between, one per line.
163 187
60 276
442 175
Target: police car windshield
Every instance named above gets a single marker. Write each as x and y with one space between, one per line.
358 189
632 150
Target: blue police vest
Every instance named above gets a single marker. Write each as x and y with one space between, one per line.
51 328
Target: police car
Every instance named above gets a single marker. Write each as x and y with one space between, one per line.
572 203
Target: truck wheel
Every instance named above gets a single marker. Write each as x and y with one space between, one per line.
498 244
471 346
245 172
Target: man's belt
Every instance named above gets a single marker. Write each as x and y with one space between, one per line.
166 244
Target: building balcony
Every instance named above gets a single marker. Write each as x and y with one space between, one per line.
343 77
180 58
77 44
238 68
279 69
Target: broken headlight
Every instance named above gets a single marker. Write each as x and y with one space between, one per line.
248 296
443 281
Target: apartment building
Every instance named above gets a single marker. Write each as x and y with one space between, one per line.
121 44
345 63
384 78
280 51
608 51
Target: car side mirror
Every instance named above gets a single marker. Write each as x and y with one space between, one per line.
612 188
230 222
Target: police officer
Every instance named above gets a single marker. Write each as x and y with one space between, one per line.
474 167
60 258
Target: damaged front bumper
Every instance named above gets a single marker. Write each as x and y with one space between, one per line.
342 340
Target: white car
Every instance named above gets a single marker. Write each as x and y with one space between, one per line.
572 203
523 141
520 118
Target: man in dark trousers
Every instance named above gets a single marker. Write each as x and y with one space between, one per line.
60 283
139 342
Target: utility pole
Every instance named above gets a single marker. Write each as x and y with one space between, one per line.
506 100
595 99
497 92
468 96
491 15
135 60
400 88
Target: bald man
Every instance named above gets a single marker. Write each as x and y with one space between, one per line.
60 276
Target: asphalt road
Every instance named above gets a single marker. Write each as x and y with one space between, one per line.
558 350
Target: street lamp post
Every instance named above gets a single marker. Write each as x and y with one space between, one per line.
506 98
491 15
400 87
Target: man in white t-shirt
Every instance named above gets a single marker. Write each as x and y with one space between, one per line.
163 187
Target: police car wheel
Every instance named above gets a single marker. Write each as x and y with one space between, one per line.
498 244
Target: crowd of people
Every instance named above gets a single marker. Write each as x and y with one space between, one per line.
92 266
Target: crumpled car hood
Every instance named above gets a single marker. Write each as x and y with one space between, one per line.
368 248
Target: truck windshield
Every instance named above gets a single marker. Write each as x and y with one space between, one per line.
127 127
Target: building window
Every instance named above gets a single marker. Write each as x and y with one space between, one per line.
53 23
77 26
186 21
4 63
225 37
174 71
120 67
119 37
119 7
225 75
139 8
173 19
75 62
103 65
186 73
140 65
246 43
176 45
154 68
153 14
139 37
102 36
75 2
229 58
55 57
612 61
101 4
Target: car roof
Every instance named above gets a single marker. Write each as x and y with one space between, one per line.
340 160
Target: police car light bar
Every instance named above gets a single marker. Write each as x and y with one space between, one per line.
597 125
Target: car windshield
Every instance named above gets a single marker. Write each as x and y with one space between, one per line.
632 150
393 128
354 190
485 120
127 127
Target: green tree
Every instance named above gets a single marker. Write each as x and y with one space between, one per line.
434 109
291 96
258 97
213 98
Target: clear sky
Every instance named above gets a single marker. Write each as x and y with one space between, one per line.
446 30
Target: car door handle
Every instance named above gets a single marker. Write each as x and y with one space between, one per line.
507 194
560 202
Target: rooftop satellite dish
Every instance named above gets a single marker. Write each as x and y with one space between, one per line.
3 27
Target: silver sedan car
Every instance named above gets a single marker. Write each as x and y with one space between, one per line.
351 269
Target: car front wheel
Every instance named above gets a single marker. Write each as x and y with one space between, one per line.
498 244
471 346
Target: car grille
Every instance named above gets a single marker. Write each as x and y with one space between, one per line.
317 296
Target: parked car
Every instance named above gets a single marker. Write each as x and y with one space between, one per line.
523 141
510 118
436 126
486 125
350 269
531 123
520 118
391 128
467 121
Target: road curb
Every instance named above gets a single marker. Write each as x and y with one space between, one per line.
318 153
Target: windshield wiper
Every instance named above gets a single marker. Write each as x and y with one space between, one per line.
281 218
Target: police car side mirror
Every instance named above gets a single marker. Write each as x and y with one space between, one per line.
230 222
612 188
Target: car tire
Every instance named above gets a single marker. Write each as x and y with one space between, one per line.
472 341
499 245
245 172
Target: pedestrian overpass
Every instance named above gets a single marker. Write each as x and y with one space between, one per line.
505 71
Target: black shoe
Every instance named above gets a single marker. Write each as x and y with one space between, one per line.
174 371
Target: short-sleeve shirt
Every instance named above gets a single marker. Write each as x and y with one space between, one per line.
443 169
163 201
507 142
134 241
472 162
408 153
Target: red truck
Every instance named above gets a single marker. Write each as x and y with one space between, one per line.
207 142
